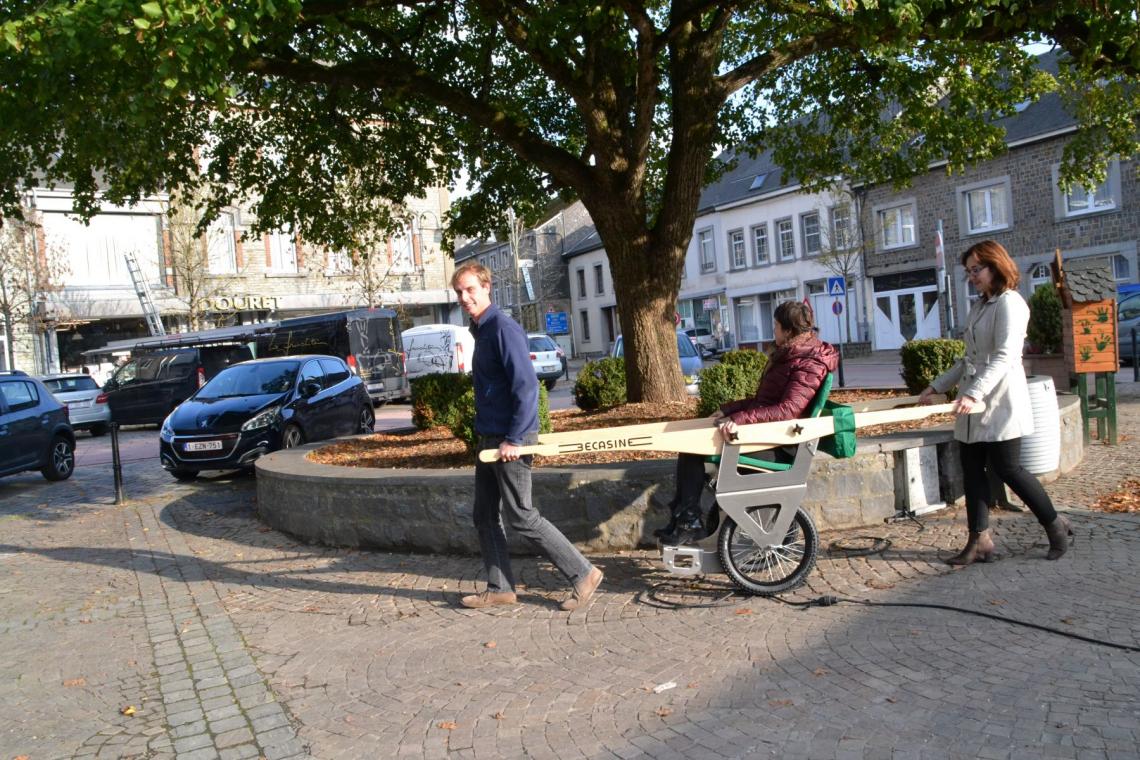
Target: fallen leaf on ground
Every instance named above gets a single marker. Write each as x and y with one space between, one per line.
820 672
490 645
75 682
663 711
997 602
780 703
448 725
1125 499
500 715
744 611
128 710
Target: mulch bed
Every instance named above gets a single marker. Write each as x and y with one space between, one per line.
438 449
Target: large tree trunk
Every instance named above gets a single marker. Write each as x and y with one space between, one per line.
646 276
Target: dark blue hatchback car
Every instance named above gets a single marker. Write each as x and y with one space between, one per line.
34 430
259 406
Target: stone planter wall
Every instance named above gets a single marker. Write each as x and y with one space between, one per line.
599 507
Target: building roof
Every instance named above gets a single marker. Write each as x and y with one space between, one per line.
1090 279
584 240
758 176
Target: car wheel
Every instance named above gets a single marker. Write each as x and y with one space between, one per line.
98 430
292 437
61 459
367 421
184 476
550 383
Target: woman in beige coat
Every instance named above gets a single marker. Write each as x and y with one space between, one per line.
991 372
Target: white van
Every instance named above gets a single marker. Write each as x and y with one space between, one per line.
437 348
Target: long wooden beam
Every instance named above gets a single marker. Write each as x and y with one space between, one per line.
702 436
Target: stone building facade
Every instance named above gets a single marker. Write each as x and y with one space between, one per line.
1014 199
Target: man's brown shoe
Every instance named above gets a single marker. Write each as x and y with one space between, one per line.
489 599
584 590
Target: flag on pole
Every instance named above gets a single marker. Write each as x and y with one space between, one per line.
939 251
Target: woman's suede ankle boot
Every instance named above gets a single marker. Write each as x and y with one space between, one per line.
1058 532
979 548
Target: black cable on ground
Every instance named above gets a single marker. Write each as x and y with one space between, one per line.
875 545
829 601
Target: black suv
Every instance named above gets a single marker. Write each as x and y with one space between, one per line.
150 385
34 430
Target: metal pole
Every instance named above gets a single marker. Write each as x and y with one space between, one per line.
842 382
1135 359
116 464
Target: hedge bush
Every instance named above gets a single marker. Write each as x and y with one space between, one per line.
435 398
736 377
463 423
600 384
924 360
1044 331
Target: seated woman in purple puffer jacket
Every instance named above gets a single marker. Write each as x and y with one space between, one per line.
796 369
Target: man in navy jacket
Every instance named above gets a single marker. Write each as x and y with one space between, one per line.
506 417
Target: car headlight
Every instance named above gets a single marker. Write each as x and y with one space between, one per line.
166 433
262 419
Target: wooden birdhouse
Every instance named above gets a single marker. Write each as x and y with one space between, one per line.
1088 318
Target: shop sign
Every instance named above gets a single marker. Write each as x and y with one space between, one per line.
238 303
711 304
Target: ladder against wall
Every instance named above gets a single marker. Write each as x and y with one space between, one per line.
142 290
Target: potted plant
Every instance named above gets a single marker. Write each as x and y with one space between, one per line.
1043 354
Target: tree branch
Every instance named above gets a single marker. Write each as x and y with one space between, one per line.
399 75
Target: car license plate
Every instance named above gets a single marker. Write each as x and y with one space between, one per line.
203 446
552 368
77 404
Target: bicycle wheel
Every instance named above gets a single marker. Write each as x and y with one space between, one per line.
768 570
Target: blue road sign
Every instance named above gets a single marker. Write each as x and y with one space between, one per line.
836 286
837 308
556 323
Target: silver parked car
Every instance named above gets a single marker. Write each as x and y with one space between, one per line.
86 403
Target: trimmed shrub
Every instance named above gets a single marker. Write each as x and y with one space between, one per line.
924 360
463 422
600 384
1044 330
736 377
753 363
434 398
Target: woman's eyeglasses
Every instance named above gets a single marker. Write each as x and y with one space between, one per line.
973 271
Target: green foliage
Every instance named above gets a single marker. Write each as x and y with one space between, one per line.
463 423
924 360
436 399
289 107
600 384
735 377
463 420
1044 330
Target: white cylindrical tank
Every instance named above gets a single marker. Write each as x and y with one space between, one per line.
1041 450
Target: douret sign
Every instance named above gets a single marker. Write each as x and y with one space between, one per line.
238 303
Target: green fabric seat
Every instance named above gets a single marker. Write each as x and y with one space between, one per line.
819 405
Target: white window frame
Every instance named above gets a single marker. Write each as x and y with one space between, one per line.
841 237
282 253
737 250
1108 192
761 240
1117 258
581 282
599 280
706 250
812 242
786 239
221 245
996 206
902 227
584 322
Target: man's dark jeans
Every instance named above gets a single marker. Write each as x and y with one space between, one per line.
503 494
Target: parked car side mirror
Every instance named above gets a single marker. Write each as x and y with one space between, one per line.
310 388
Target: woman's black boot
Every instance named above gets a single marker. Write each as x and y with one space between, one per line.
689 529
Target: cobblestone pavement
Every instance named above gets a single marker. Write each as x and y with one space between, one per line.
221 638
